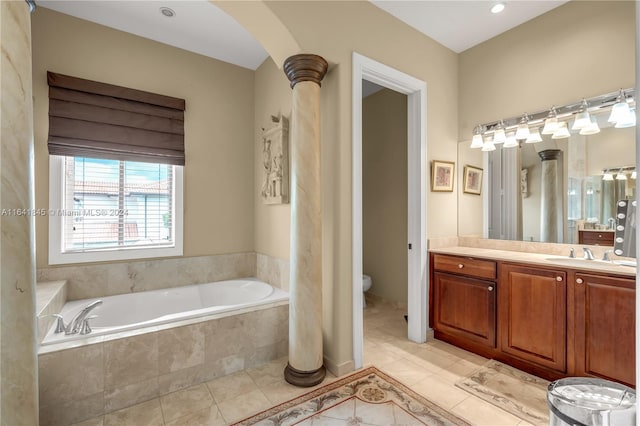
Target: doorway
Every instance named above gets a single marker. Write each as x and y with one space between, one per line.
417 307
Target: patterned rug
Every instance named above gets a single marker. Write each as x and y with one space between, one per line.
367 397
512 390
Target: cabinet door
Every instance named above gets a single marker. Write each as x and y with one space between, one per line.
605 327
465 307
532 316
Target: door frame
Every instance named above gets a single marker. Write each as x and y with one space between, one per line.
416 91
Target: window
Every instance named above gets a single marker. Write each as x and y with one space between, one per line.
104 209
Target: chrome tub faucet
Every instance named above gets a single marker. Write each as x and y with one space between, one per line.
79 323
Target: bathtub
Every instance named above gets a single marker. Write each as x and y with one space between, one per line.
153 308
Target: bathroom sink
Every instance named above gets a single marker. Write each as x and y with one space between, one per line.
579 261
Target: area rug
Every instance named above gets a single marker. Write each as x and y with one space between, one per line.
512 390
368 396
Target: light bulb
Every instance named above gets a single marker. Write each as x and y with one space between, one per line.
633 174
621 175
582 118
620 109
477 141
511 141
534 136
628 120
550 123
523 128
591 129
497 8
488 146
499 136
607 176
562 132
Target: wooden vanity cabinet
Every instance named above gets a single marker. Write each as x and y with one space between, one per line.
604 326
533 314
464 309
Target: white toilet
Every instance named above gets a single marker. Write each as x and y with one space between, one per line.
366 285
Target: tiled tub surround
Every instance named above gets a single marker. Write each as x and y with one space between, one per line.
112 372
98 280
273 270
50 298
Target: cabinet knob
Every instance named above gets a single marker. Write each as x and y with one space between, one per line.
460 266
490 288
559 279
599 235
579 280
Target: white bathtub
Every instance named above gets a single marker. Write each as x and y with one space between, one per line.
156 307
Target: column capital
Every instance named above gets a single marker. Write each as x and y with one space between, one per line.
305 67
549 154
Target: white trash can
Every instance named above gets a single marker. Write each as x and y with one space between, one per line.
585 401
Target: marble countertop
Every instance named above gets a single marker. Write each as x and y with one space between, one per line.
541 259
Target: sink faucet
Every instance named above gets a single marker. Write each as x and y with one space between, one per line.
572 253
78 321
588 254
606 257
612 223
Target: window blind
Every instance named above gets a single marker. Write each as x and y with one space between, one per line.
115 204
99 120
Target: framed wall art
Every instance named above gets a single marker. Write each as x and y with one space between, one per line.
442 176
472 180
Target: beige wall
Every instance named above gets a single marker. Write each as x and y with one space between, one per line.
328 29
384 193
271 222
469 224
580 49
219 172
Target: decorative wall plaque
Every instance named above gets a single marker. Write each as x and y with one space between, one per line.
275 162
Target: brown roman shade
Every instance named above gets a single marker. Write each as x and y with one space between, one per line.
99 120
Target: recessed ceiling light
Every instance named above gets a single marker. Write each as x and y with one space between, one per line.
497 8
169 13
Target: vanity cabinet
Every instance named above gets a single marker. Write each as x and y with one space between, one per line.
464 289
604 327
596 238
551 321
533 314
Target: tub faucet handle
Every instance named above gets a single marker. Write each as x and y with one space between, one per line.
60 327
85 328
572 253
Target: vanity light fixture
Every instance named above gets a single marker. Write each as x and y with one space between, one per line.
523 128
499 136
534 136
633 174
477 141
620 110
511 141
561 132
621 175
591 129
629 120
551 122
607 175
488 145
583 119
497 8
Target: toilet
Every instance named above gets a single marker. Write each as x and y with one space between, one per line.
366 285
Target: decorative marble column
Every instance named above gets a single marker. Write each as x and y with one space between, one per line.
305 367
18 362
550 202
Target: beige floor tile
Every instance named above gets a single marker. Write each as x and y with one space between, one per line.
210 416
278 393
144 414
380 356
440 391
242 406
231 386
272 372
98 421
432 360
481 413
405 371
179 404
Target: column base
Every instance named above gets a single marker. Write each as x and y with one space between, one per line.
304 379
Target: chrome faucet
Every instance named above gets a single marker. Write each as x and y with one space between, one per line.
588 254
79 322
612 223
606 257
572 253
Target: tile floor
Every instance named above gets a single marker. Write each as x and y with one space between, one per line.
430 369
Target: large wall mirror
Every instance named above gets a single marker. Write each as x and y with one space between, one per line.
557 190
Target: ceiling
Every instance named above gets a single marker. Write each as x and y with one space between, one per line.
199 26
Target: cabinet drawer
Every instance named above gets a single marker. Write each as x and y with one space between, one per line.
601 238
465 266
